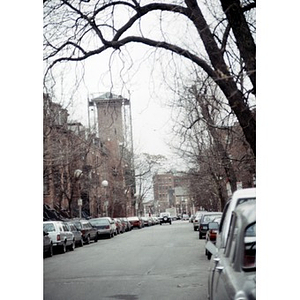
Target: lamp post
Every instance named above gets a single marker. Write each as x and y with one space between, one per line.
77 175
104 183
137 198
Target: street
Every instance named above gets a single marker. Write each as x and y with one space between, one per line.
157 262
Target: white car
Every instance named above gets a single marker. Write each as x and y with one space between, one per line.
185 217
197 219
232 273
238 197
60 235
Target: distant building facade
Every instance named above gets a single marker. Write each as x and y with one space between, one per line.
171 191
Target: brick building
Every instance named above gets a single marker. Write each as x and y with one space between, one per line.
171 190
76 162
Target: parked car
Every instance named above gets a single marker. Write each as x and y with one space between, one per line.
105 226
77 234
146 221
48 245
233 273
211 234
135 222
205 219
155 220
197 219
238 197
185 217
119 225
60 235
128 225
89 232
192 218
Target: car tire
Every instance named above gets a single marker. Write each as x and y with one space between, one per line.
81 242
195 228
87 240
96 238
50 251
64 247
72 246
208 255
200 236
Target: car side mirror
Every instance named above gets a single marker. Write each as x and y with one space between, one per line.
46 233
213 226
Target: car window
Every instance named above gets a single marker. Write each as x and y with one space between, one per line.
78 225
49 227
100 222
65 227
243 200
233 244
249 259
231 238
209 218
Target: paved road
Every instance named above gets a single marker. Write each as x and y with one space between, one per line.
159 262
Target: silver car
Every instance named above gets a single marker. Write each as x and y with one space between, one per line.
233 271
105 226
196 220
60 234
77 234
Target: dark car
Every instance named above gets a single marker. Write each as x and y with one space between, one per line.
211 234
48 245
126 223
165 219
205 219
105 226
232 273
89 232
77 234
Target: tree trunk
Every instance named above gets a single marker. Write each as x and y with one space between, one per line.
244 39
224 79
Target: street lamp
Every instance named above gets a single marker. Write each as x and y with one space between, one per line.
104 183
77 175
137 199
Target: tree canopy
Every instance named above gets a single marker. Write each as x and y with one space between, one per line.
222 45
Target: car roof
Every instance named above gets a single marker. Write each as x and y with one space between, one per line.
244 193
212 213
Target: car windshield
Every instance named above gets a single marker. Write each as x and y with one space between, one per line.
209 218
49 227
99 222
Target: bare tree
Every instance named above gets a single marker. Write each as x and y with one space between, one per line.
146 165
75 30
210 140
